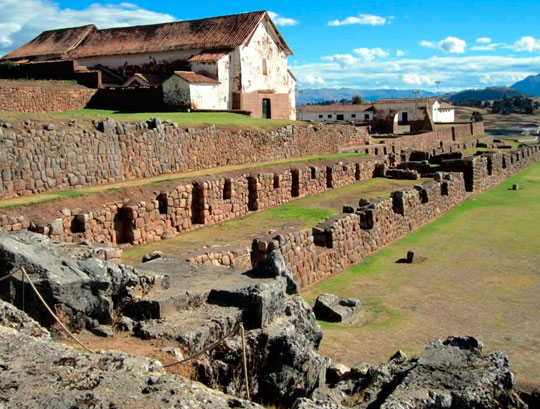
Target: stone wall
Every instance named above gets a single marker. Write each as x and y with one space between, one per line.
36 160
347 238
24 98
170 209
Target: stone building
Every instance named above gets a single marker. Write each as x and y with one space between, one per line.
235 62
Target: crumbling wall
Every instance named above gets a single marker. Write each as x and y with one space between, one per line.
347 238
188 205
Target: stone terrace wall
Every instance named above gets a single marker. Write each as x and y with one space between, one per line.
35 160
192 204
346 238
22 98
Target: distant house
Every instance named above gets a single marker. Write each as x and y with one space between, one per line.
440 111
335 112
235 62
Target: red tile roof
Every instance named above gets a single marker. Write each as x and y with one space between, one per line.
209 56
446 105
53 43
146 79
223 32
194 78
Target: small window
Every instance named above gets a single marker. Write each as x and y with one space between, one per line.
340 117
353 115
320 116
329 115
264 67
366 117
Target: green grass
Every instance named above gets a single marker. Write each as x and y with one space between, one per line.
480 277
182 118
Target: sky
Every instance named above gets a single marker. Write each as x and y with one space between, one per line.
391 44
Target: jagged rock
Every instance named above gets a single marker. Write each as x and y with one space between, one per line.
336 372
274 266
76 286
329 307
303 403
449 374
14 318
39 373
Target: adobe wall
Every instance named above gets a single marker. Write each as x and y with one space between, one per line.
174 208
36 160
347 238
24 98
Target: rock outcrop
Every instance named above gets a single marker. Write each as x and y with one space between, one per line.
84 290
449 374
37 373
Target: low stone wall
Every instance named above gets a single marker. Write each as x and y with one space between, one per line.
171 209
21 98
346 238
35 160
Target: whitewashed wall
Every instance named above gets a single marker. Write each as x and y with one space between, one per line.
176 92
204 96
347 116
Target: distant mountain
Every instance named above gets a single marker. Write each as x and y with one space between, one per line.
311 95
485 94
529 85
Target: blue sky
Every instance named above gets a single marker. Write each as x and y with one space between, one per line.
392 44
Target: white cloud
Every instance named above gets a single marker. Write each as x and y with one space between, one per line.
362 19
368 54
400 53
313 80
448 45
282 21
342 60
28 18
527 43
483 40
417 79
455 72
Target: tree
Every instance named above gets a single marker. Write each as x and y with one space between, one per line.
357 100
476 117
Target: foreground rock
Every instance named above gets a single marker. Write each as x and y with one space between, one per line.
331 308
449 374
282 333
38 373
83 289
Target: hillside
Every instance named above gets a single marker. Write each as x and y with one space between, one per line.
486 94
312 95
529 85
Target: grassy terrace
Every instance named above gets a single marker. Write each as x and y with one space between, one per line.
184 119
480 277
61 194
306 212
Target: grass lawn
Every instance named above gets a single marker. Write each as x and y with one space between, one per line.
305 212
184 119
61 194
480 277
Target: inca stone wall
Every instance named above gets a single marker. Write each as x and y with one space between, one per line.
36 158
188 205
40 99
346 238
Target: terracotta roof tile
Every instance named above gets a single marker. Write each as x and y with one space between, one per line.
209 33
194 78
53 43
446 105
209 56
